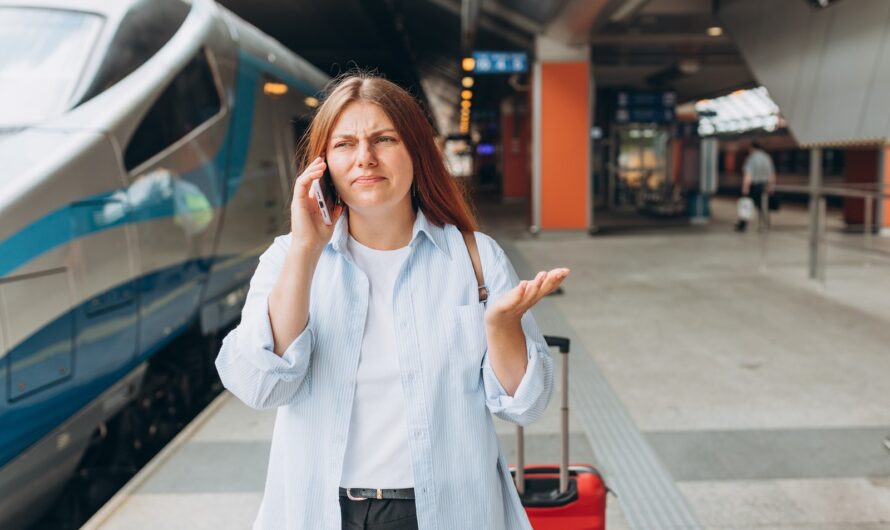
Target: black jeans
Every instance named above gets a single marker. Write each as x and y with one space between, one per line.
373 514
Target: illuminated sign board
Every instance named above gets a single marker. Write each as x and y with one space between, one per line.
500 62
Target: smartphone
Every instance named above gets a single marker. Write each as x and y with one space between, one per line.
315 188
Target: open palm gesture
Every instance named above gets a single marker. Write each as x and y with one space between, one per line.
514 303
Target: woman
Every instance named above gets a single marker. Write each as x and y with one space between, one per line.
370 337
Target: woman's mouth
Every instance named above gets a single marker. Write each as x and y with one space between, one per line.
365 181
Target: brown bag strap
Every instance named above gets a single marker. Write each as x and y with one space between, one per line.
470 241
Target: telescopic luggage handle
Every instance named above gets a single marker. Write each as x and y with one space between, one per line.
563 344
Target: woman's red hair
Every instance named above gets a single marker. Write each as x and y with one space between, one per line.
437 192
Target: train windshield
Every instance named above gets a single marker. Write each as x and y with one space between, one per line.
44 52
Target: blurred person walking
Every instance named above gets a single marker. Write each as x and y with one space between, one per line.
759 177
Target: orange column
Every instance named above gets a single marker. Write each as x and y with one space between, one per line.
561 157
884 204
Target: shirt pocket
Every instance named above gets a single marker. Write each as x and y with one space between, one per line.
467 344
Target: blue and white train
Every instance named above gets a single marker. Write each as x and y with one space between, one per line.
146 156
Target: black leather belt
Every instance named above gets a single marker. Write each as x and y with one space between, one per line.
361 494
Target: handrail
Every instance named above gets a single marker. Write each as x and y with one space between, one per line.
834 191
818 218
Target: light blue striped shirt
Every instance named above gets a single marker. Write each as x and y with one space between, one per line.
461 478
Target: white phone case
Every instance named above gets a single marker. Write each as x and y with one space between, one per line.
315 188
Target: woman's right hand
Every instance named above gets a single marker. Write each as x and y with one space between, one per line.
308 231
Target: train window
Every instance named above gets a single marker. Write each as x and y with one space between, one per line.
144 30
187 102
44 54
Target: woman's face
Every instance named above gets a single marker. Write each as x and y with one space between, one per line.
368 161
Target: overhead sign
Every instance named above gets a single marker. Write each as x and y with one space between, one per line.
500 62
634 106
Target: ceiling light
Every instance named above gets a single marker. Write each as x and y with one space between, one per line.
274 89
467 82
465 104
468 64
688 66
466 94
715 31
311 102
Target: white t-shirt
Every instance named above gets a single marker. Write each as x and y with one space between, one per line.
377 453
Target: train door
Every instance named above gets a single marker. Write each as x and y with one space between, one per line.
288 131
104 270
175 160
255 202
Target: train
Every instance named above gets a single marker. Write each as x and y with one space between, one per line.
146 161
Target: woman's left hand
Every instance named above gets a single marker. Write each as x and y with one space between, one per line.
512 305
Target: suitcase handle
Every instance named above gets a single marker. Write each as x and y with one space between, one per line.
558 342
563 344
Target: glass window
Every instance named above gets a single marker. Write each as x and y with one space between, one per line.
42 55
187 102
144 30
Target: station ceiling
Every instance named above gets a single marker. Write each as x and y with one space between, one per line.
644 44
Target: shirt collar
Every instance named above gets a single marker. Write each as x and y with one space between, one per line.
434 233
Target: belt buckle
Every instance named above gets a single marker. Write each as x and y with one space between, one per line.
349 494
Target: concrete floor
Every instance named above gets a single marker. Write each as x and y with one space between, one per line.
764 393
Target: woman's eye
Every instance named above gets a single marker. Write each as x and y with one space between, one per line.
340 144
386 139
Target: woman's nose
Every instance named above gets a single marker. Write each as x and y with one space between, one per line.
365 155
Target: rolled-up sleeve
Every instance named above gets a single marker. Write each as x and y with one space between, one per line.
533 394
247 363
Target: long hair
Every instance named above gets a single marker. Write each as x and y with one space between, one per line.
436 191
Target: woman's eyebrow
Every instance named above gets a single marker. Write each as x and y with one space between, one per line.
375 133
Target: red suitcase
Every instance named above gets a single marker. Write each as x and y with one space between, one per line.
560 497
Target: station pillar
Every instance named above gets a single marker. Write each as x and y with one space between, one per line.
562 101
883 202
